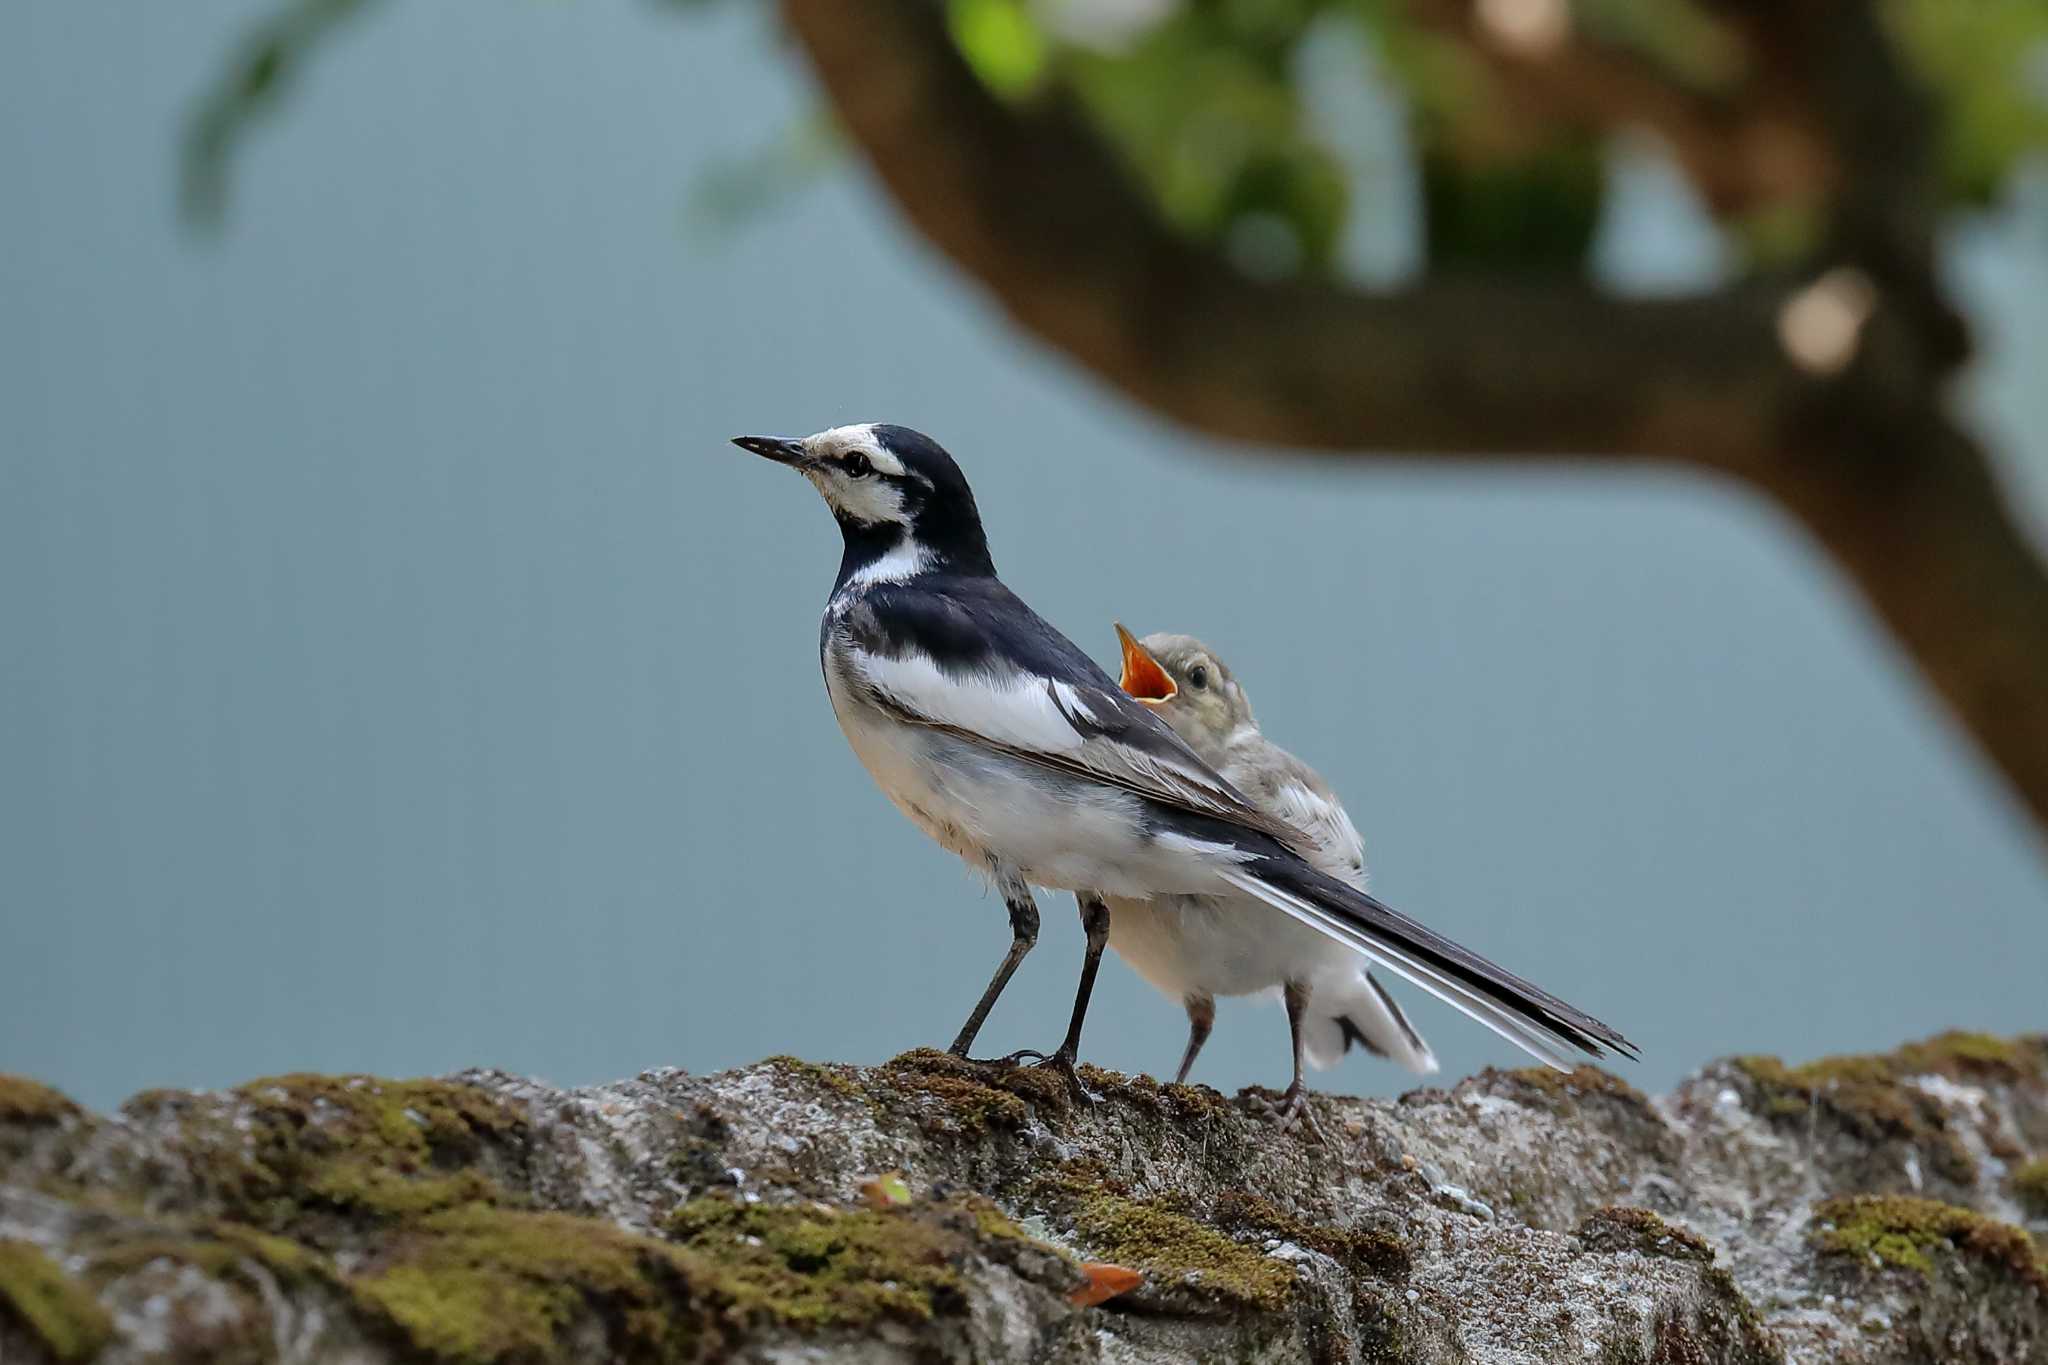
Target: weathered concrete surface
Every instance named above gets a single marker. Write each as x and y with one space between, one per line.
1860 1209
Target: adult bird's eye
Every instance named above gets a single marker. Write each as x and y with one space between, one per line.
1198 677
857 466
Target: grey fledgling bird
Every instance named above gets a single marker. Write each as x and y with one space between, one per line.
1196 948
999 738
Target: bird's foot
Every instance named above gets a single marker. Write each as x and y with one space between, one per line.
1290 1110
1061 1063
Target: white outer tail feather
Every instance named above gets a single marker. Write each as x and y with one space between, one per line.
1338 997
1545 1045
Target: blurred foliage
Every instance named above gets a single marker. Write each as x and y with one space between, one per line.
732 192
256 80
1205 101
1988 60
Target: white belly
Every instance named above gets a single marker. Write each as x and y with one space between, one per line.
995 811
1211 945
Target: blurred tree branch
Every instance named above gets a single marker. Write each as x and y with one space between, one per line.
1855 439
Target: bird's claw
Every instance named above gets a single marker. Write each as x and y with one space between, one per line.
1293 1108
1060 1063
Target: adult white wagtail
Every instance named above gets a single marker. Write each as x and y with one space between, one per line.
1004 742
1195 948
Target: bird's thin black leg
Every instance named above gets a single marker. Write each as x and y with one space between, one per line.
1023 933
1201 1018
1293 1106
1095 924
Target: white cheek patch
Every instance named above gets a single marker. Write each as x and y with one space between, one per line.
868 501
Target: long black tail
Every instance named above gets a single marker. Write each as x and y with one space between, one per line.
1526 1015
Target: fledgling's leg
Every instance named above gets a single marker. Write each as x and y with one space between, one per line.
1023 933
1095 924
1201 1018
1293 1107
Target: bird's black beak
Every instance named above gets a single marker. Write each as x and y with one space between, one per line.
776 448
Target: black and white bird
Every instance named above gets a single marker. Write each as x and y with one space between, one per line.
1004 742
1195 948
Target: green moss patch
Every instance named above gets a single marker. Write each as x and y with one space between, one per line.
1868 1095
290 1151
837 1080
32 1104
812 1267
1170 1247
975 1098
1362 1251
1907 1233
222 1251
1561 1086
55 1309
489 1286
1174 1248
1174 1103
1621 1228
2030 1188
477 1286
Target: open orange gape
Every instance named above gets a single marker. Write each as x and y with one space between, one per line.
1142 677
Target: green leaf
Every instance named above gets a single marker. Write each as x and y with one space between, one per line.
1987 61
1000 42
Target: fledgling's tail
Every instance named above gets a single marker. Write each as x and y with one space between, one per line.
1526 1015
1354 1009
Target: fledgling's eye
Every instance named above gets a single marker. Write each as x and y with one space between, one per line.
1198 677
857 466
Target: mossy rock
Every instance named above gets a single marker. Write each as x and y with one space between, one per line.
1370 1252
484 1286
31 1104
1905 1232
835 1080
814 1267
54 1309
1588 1096
307 1154
1576 1085
972 1098
1176 1253
2030 1188
1869 1097
1177 1104
1619 1227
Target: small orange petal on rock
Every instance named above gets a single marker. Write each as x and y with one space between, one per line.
889 1191
1104 1282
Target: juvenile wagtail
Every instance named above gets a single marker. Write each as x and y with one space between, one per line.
1004 742
1195 948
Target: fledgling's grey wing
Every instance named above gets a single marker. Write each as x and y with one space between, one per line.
1356 1009
1295 794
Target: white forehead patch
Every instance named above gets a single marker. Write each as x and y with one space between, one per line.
836 443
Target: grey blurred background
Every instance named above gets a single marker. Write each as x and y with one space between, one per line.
401 673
